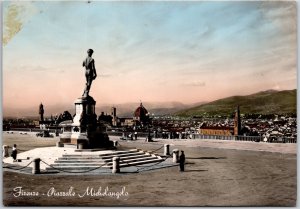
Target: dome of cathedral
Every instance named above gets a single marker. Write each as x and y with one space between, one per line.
140 112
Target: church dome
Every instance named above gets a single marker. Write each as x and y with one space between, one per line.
141 112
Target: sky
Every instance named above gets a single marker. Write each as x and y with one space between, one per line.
152 51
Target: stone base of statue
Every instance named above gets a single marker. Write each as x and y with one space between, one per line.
85 131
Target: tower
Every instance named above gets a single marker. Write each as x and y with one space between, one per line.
41 112
237 122
113 112
114 116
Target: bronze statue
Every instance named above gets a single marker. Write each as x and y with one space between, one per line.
90 72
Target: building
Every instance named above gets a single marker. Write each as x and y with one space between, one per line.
126 122
237 122
120 122
141 116
108 119
114 116
216 130
223 129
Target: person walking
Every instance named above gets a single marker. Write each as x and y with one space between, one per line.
181 161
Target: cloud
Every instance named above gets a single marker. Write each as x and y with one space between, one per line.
276 87
194 84
105 75
34 70
282 15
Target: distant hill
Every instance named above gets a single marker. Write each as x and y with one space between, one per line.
156 108
123 110
265 102
33 112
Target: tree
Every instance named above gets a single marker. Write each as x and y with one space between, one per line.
63 117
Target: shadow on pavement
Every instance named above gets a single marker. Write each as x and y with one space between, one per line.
199 170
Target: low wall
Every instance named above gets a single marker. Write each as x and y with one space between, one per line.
189 136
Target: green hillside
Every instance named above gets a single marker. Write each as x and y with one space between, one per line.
267 102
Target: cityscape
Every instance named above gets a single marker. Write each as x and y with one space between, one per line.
270 128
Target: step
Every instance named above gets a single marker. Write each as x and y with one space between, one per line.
78 164
79 158
135 160
135 157
140 162
128 157
99 155
139 159
120 152
80 172
95 150
135 163
83 172
79 161
122 155
86 167
105 158
68 168
70 145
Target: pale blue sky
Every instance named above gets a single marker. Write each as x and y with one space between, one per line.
153 51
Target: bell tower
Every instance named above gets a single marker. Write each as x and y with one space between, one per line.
41 112
114 116
237 122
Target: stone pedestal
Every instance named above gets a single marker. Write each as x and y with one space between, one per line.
84 119
85 130
175 156
166 149
5 151
115 143
80 146
59 144
116 165
36 166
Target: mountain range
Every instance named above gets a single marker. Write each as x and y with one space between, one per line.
123 110
265 102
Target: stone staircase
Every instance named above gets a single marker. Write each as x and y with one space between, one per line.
86 162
